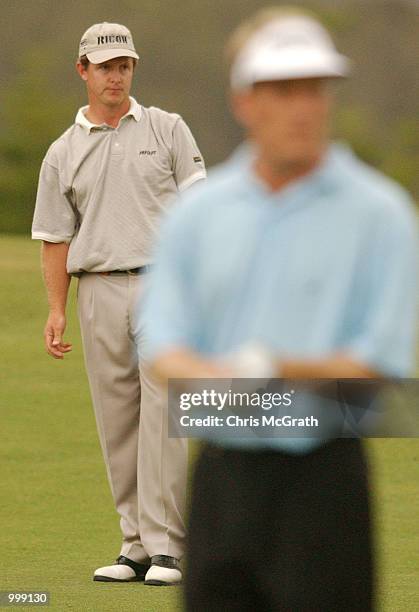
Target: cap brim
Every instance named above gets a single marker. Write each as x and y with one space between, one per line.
97 57
285 66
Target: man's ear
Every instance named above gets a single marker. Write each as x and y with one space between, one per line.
242 107
81 70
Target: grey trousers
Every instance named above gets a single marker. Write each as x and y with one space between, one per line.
146 469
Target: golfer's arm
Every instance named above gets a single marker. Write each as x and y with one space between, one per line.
56 278
184 363
335 366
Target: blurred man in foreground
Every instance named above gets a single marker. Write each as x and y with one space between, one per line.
295 260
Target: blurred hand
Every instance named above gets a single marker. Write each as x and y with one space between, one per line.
252 360
53 336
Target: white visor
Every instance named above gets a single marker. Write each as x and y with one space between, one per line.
288 48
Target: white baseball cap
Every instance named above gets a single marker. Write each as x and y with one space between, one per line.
104 41
288 47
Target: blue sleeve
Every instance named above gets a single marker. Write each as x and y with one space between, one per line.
167 312
386 338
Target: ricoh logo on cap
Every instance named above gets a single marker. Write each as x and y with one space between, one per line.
112 38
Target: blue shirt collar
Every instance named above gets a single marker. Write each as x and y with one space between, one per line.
324 178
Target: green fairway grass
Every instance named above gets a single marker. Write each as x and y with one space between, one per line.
57 521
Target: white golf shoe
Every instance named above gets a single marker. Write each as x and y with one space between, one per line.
164 571
124 570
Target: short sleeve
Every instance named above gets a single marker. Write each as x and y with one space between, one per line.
388 327
54 217
188 163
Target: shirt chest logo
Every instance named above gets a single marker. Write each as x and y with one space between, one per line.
147 152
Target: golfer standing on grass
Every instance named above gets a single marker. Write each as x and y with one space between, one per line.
298 249
103 187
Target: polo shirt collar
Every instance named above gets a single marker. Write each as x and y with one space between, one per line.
324 177
83 121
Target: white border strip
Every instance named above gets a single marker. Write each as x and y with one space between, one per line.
191 180
49 237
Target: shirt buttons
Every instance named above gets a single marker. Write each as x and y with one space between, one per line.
117 148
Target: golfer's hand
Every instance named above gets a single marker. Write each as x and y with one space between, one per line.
53 335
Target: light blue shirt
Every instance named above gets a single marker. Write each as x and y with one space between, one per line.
327 264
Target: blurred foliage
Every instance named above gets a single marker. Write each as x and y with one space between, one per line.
369 139
32 117
181 70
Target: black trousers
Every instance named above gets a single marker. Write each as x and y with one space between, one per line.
272 531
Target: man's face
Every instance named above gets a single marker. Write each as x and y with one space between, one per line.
288 120
109 83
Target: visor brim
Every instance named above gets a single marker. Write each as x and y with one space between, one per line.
104 55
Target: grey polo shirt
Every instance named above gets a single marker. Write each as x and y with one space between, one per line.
104 189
